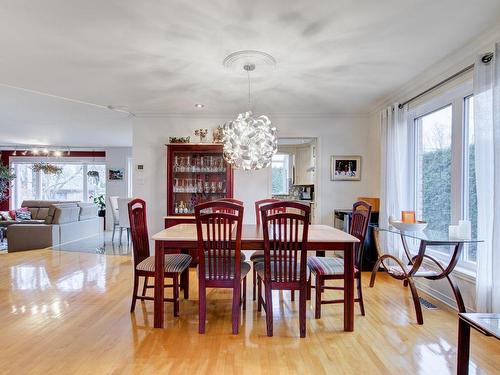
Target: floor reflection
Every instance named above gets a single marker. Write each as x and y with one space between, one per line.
29 278
99 244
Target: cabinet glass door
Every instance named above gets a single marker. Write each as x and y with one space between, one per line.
197 177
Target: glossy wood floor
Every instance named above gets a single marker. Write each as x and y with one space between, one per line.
68 313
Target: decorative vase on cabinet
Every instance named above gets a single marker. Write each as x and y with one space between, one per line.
196 173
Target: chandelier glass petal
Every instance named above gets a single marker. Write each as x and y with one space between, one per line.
249 142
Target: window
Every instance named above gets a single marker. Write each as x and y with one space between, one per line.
65 186
444 170
96 187
71 184
434 168
281 175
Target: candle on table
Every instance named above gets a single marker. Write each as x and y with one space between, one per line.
464 229
408 216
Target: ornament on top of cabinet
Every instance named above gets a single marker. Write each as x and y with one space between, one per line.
218 134
179 139
202 133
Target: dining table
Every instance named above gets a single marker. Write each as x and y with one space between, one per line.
320 238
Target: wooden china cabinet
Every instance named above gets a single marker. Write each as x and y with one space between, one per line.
196 173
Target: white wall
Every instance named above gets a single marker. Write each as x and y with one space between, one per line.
116 157
341 135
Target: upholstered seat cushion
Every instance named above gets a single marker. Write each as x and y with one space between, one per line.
244 268
173 263
327 265
257 256
259 268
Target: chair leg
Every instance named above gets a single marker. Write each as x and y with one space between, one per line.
134 293
302 310
202 309
269 309
292 295
144 287
120 240
176 294
308 287
113 235
259 294
416 301
244 300
236 307
254 280
185 282
360 295
317 311
128 236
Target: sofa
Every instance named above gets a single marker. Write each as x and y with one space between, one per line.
53 223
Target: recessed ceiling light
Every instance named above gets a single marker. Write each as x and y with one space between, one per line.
199 105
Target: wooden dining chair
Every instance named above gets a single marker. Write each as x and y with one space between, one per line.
144 264
219 226
231 200
221 209
332 268
258 255
285 257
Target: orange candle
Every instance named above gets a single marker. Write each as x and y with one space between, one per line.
408 217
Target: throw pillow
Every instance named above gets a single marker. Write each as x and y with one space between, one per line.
23 215
5 216
12 213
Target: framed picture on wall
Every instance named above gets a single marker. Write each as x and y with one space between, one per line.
116 174
345 168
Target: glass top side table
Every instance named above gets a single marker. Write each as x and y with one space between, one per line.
487 324
415 267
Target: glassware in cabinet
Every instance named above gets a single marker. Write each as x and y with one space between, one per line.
196 174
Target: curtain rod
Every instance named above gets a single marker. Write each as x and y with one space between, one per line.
485 59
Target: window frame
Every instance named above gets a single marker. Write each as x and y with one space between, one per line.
456 97
67 160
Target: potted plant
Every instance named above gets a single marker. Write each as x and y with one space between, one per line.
101 203
6 176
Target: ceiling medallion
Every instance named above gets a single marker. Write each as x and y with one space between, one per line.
249 142
236 61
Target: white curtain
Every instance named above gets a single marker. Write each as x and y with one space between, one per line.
487 154
395 179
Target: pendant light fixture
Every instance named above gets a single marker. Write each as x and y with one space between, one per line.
249 142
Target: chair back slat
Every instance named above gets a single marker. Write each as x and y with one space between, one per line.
259 204
361 212
285 241
138 230
219 226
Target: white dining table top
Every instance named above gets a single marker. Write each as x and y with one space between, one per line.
253 232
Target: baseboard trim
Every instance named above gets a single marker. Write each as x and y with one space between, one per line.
439 296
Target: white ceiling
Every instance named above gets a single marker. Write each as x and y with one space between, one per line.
164 56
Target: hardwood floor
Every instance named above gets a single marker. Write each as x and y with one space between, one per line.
68 313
